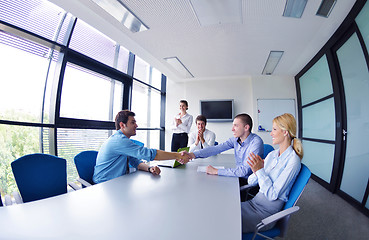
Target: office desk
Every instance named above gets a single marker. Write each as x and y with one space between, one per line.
181 203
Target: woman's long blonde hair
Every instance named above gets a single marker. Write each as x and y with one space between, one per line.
287 122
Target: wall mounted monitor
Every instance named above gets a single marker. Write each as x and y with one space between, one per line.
217 110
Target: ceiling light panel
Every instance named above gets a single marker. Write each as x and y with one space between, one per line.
179 66
214 12
325 8
294 8
120 12
272 62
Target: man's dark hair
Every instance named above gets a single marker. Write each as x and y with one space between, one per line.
246 119
122 116
200 118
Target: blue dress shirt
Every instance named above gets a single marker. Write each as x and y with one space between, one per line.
253 143
112 158
278 175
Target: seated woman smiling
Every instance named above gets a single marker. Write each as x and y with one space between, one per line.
275 175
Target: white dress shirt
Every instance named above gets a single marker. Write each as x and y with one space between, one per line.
278 175
185 126
209 138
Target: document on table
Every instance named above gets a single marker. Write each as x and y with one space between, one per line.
203 168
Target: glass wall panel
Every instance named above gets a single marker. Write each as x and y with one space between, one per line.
151 138
31 14
86 95
73 141
319 158
319 120
146 105
15 142
141 70
22 80
101 48
355 76
362 21
316 82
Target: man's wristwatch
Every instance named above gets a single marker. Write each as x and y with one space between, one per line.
149 169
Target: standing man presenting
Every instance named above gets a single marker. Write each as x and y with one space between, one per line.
244 142
203 137
119 151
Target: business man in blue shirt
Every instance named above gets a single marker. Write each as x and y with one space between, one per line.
119 151
244 142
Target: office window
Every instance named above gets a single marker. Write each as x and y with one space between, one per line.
156 78
31 14
146 105
73 141
102 48
87 95
15 142
150 138
141 70
23 69
123 58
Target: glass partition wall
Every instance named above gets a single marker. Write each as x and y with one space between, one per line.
333 98
60 91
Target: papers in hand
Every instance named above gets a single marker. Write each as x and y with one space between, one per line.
203 168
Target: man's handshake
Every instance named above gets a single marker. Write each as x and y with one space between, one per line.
185 157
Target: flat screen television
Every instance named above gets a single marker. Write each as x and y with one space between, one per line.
217 110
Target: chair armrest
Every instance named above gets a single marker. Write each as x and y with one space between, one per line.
84 182
74 186
247 187
7 200
279 215
17 197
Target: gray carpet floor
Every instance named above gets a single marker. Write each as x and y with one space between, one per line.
326 216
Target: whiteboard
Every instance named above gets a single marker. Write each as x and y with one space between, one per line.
268 109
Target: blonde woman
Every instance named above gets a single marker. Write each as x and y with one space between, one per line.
275 175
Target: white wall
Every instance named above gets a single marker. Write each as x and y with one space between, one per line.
244 91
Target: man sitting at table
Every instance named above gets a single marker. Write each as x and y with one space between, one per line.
118 151
244 142
201 138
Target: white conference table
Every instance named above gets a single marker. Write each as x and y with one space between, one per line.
181 203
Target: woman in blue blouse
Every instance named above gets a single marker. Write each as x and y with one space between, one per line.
275 175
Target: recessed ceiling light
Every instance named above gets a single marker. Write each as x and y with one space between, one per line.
179 66
325 8
294 8
272 62
120 12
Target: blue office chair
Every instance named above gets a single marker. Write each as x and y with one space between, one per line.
282 217
267 149
40 176
85 163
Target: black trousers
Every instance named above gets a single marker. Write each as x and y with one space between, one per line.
179 140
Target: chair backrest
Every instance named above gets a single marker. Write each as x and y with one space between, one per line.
295 193
40 176
85 163
184 149
267 149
